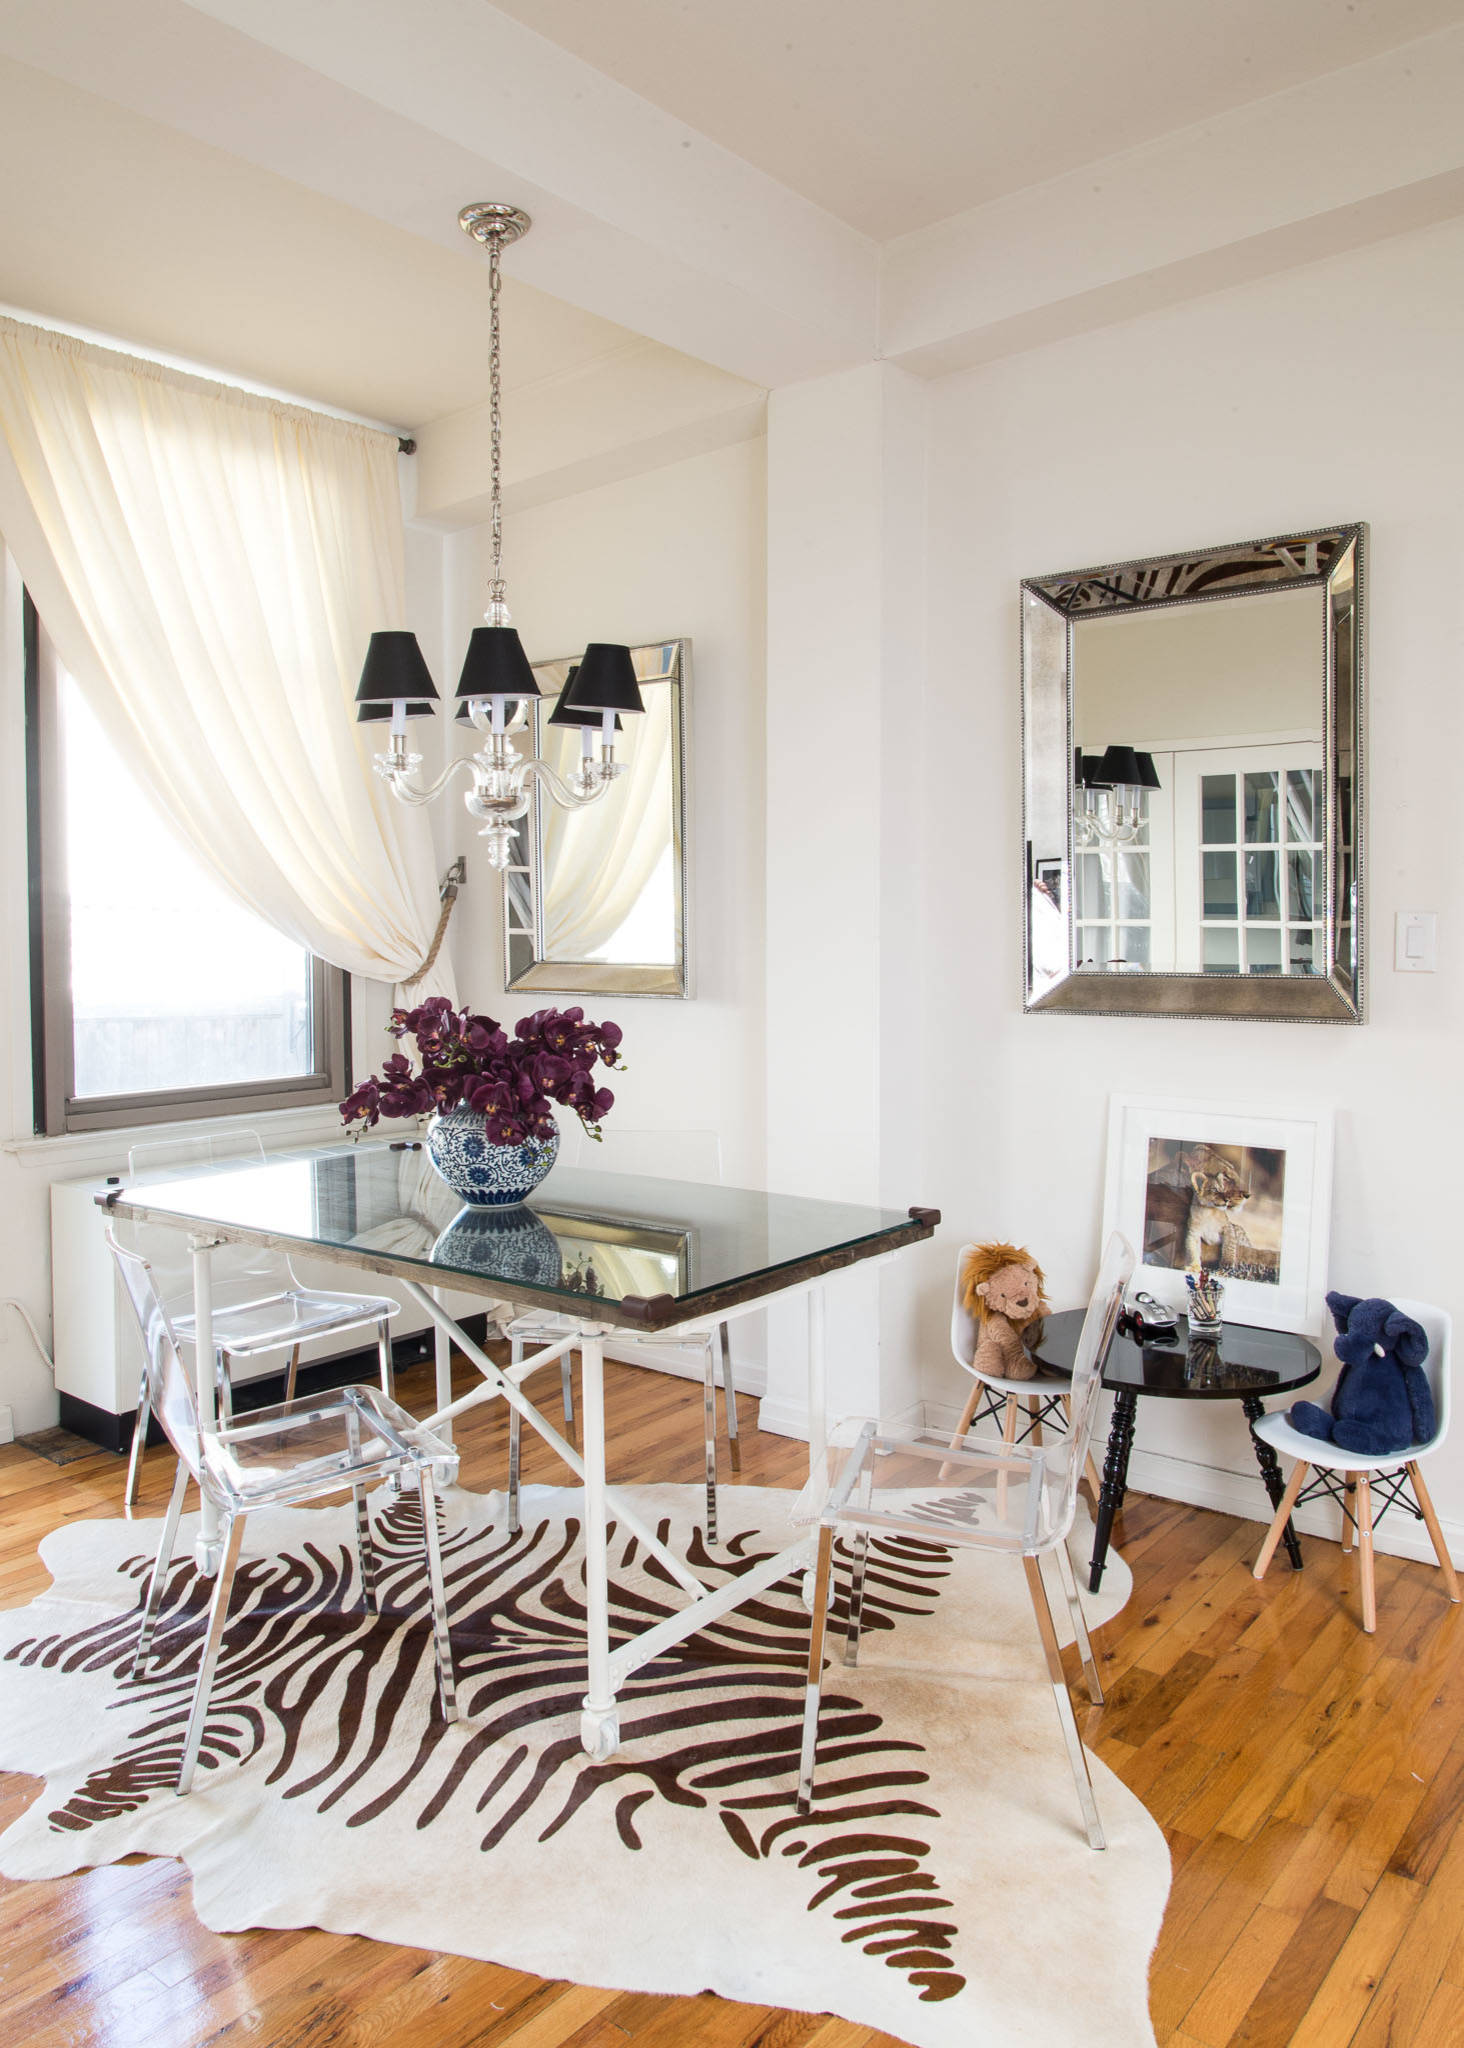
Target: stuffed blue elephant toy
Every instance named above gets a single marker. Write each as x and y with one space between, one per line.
1382 1403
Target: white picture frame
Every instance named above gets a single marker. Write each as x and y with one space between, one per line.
1184 1173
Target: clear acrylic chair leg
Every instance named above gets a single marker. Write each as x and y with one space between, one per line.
813 1691
225 1387
217 1615
159 1576
365 1548
1077 1755
515 1446
139 1440
729 1400
856 1597
1080 1623
709 1430
566 1388
384 1358
441 1639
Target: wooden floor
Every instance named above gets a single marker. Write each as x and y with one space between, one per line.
1309 1779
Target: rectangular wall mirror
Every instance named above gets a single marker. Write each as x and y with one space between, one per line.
1192 765
595 900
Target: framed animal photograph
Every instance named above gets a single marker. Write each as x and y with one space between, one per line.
1245 1198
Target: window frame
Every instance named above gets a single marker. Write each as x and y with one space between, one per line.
58 1111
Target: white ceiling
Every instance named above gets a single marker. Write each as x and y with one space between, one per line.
893 114
718 208
138 232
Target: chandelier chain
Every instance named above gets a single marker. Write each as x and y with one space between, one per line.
495 284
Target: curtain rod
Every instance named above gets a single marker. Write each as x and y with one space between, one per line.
406 445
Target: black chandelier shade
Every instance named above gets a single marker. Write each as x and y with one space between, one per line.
604 681
1122 764
567 712
496 665
1088 770
394 672
372 714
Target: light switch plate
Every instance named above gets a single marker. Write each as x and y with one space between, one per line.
1415 945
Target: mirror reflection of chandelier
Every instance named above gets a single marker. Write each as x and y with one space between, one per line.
1109 788
497 683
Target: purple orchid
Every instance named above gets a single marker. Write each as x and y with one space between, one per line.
468 1059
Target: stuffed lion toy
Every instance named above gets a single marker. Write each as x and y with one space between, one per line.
1003 1289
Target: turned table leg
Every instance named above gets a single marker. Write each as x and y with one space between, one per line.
1115 1479
1270 1466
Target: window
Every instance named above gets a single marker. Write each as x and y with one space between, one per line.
1254 822
156 996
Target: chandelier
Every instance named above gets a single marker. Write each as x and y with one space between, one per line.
497 684
1110 787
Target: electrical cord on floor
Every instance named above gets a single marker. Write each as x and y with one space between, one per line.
9 1301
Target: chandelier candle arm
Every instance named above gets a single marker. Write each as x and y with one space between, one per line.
496 674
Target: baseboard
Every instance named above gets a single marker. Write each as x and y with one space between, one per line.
1243 1495
747 1378
114 1432
783 1418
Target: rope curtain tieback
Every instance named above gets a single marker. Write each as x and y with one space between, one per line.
452 881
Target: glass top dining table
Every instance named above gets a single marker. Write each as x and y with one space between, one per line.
608 1251
629 1251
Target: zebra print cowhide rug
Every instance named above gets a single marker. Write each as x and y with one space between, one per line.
942 1891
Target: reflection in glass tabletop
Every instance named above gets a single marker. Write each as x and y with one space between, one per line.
646 1253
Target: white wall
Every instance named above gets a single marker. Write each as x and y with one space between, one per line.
1331 393
677 551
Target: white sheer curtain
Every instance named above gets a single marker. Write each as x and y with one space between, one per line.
210 565
597 861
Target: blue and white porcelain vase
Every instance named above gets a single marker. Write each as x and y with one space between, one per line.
478 1171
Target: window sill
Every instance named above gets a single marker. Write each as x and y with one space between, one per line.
83 1152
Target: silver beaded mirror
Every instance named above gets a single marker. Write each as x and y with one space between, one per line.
1192 783
595 900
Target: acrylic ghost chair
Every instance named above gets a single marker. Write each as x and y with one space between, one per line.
1015 1500
996 1398
286 1456
260 1305
1349 1477
661 1155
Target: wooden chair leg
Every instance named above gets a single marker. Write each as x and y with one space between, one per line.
1365 1551
1431 1522
1281 1518
948 1472
1034 1409
1349 1512
292 1373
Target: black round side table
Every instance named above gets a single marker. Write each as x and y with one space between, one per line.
1243 1364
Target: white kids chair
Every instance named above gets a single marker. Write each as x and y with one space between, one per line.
1046 1399
1349 1476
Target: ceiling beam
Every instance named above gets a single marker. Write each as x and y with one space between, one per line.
408 112
1373 150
